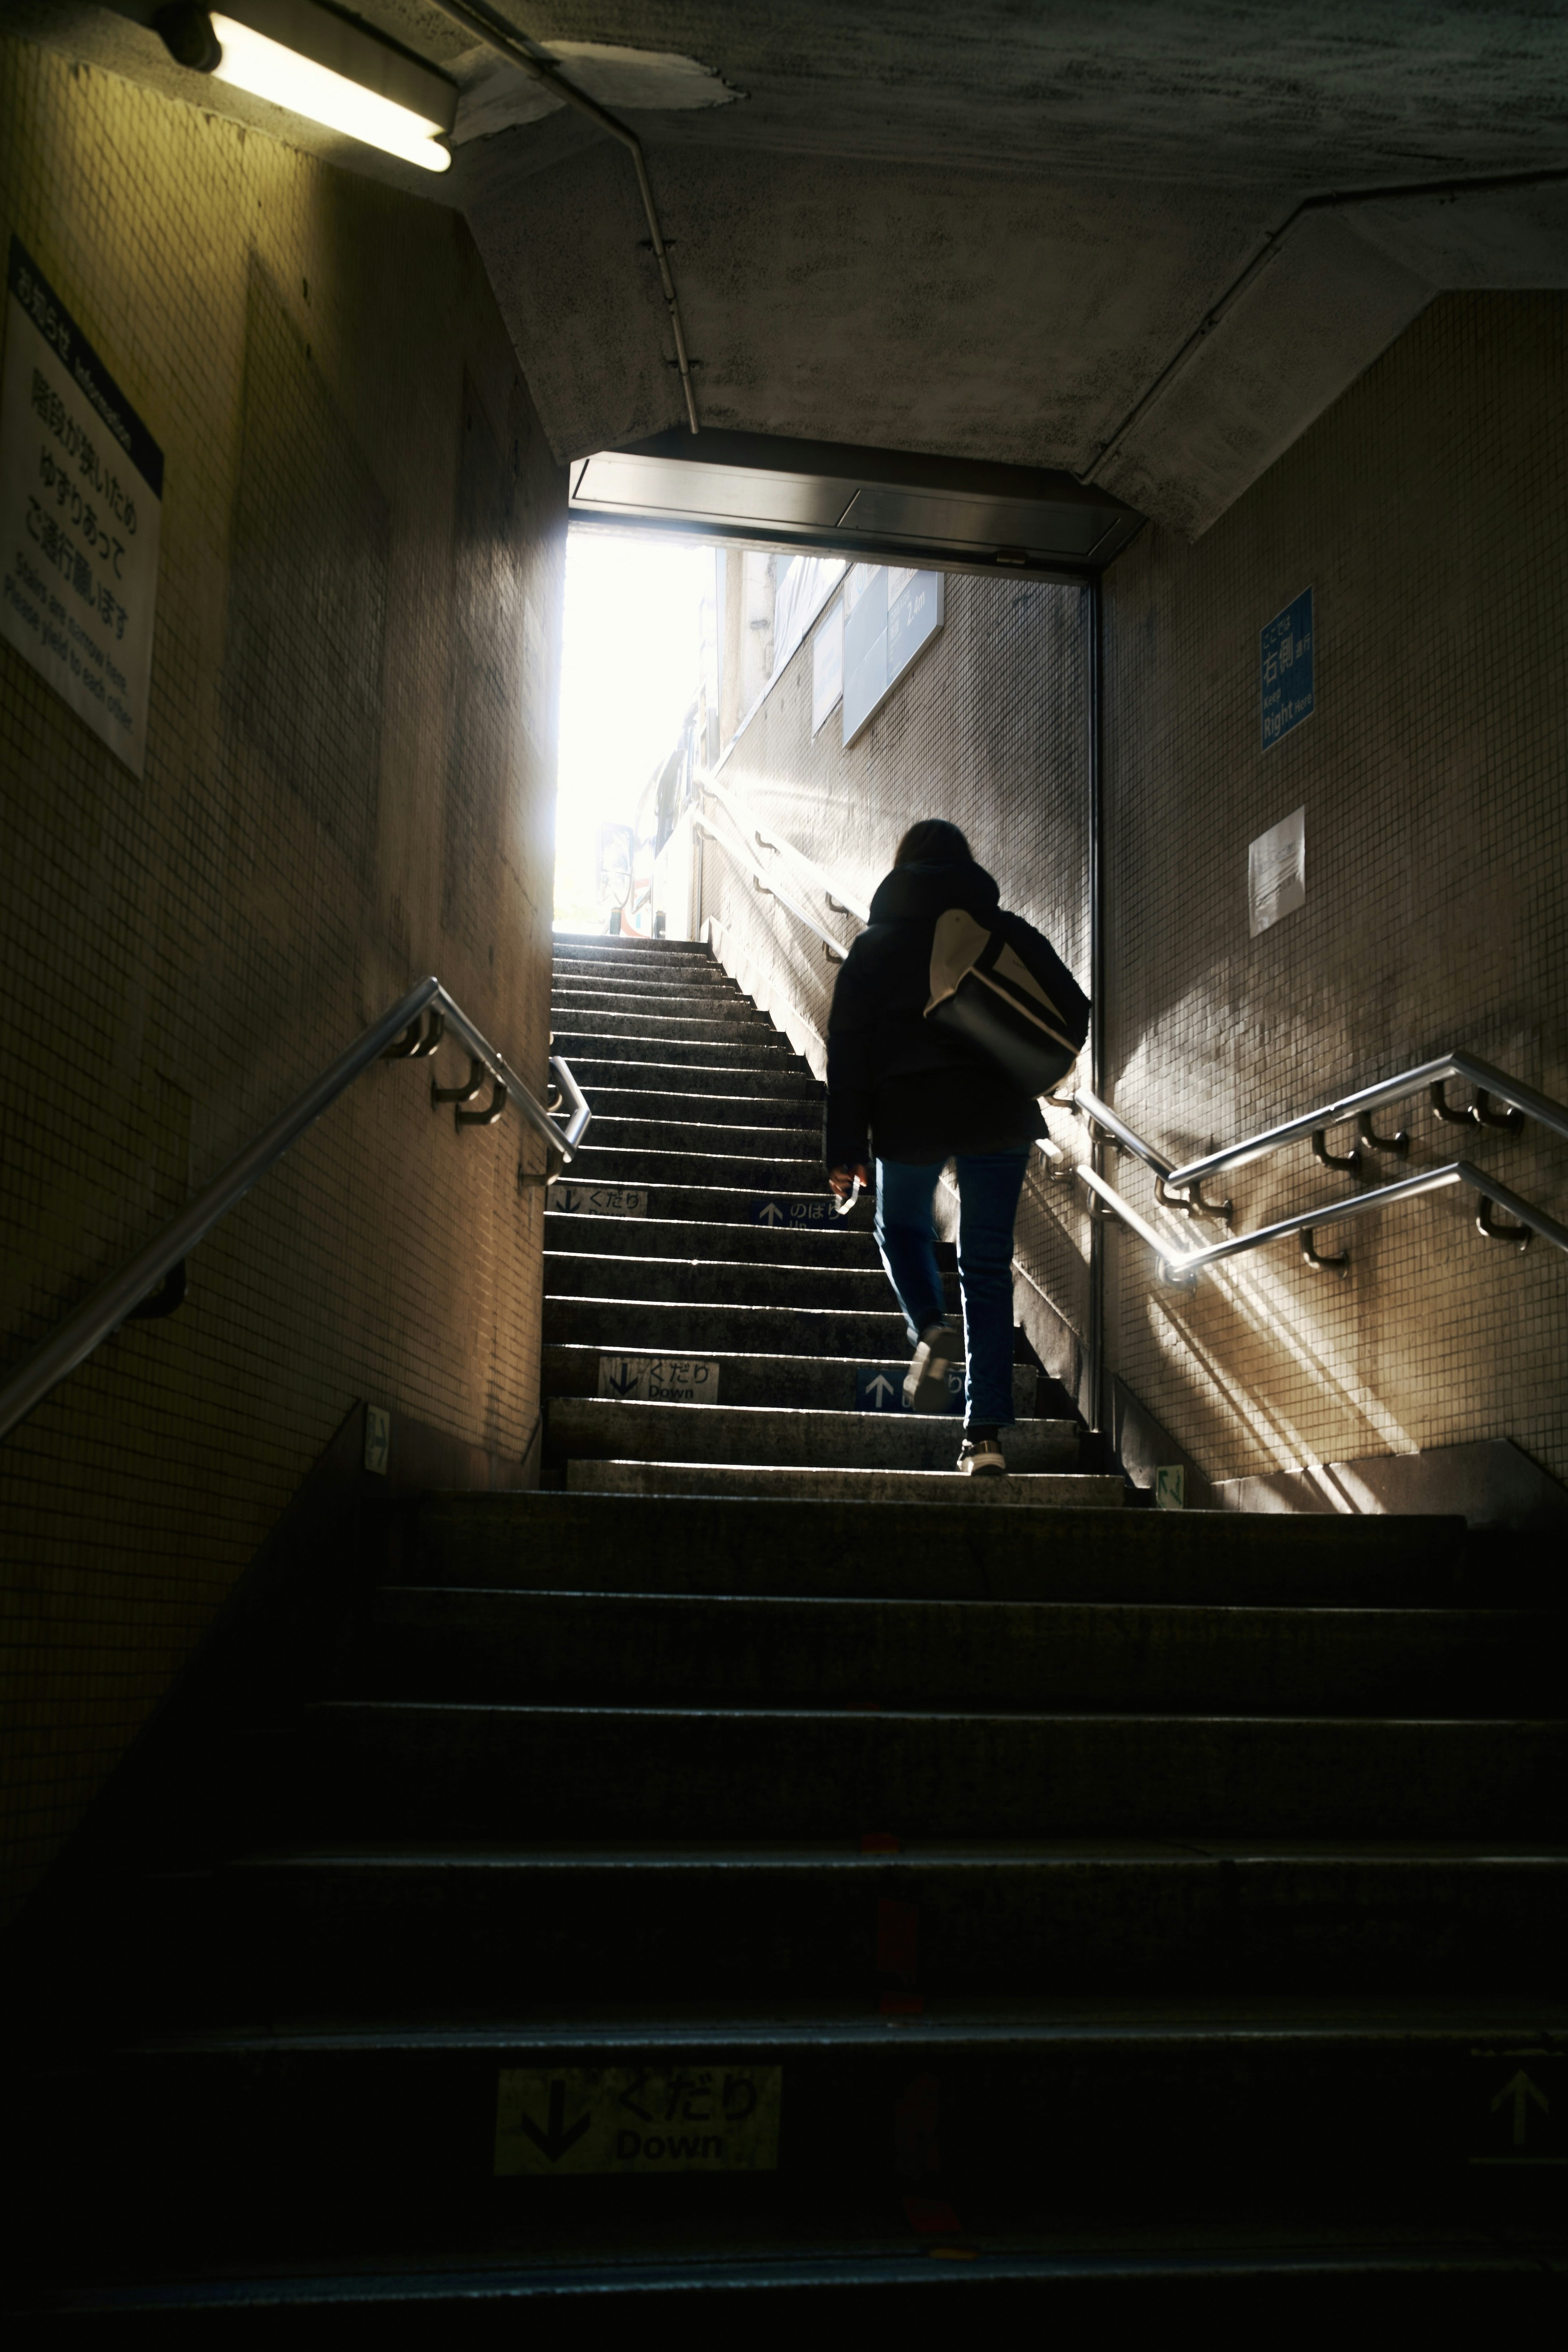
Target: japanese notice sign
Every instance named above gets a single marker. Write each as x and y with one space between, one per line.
791 1208
81 484
660 1380
596 1200
1284 663
667 2117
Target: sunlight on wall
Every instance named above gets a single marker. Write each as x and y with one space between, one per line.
631 669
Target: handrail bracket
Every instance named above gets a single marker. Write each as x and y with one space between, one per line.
1188 1202
1349 1161
1491 1230
1398 1143
1477 1114
1311 1256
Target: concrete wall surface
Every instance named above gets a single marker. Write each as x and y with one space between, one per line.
349 783
1425 510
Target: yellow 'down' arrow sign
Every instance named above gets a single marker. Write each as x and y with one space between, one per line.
669 2118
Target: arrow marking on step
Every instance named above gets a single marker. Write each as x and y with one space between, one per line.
880 1387
556 2140
1521 2090
770 1213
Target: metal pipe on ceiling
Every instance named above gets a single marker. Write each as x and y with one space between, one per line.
521 49
1273 244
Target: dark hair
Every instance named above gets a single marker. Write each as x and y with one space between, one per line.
933 841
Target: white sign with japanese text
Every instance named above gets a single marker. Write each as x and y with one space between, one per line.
81 486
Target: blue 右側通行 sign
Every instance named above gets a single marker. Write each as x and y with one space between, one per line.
1284 665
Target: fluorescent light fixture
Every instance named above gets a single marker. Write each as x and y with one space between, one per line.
318 65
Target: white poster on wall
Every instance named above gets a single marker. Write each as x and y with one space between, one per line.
81 485
1276 871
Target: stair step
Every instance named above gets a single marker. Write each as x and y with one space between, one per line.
824 1383
369 1932
724 1050
598 944
1278 2264
941 1550
650 989
388 1769
650 1025
800 1140
716 1281
389 2139
995 1656
726 1111
715 1017
657 1234
627 1430
679 1328
788 1078
1046 1490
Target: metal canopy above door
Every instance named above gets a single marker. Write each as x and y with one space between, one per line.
889 505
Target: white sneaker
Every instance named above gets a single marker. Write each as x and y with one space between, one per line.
982 1458
926 1386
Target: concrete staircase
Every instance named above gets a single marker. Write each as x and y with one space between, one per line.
732 1263
757 1869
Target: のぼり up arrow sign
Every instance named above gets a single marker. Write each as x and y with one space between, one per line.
1521 2091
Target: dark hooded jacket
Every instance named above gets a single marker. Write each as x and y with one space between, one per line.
897 1088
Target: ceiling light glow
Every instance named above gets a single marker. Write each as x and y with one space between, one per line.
265 67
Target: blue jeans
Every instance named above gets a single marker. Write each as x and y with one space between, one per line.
989 1183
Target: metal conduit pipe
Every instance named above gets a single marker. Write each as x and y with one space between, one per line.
1434 191
523 50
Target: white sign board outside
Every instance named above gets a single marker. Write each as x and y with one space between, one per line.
827 669
889 616
81 485
663 2118
1277 872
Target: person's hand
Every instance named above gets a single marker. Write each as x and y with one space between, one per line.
841 1179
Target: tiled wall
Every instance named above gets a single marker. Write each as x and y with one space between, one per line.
988 729
1429 512
349 783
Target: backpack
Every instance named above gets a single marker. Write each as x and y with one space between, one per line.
1008 994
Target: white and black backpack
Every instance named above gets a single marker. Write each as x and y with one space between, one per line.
1010 997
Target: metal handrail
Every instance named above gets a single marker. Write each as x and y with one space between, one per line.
1184 1266
732 803
1523 1102
107 1307
768 883
1433 1075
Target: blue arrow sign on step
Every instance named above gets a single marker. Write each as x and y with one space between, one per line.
768 1213
555 2139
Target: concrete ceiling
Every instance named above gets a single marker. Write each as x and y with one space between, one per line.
985 231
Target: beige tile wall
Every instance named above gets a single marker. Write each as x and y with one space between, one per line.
349 783
1429 512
